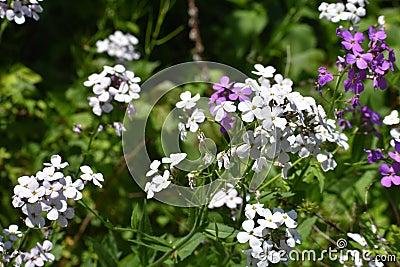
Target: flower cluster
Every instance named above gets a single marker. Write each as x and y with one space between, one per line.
45 194
368 119
352 11
268 234
283 122
223 99
193 116
161 179
119 45
356 258
113 85
372 63
390 170
228 196
37 256
18 10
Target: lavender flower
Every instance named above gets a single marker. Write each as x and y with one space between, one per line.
390 174
374 155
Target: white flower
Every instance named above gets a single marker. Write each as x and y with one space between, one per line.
161 182
54 207
18 12
88 175
119 128
250 147
259 164
223 160
355 12
56 162
219 110
195 119
218 200
251 210
358 238
182 131
98 106
327 161
34 218
392 118
49 174
288 218
174 159
266 72
72 189
153 168
252 234
293 237
187 101
12 232
233 199
270 220
251 110
272 117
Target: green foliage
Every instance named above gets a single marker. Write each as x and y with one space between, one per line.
45 63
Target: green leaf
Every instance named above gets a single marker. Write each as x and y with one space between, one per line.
107 251
320 176
151 245
305 227
220 230
191 245
129 261
135 217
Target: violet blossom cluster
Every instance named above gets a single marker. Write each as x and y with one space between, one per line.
114 85
119 45
367 120
390 170
352 11
37 256
285 122
271 234
46 194
17 10
372 63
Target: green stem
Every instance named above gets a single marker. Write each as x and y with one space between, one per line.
338 80
105 223
3 28
181 242
92 136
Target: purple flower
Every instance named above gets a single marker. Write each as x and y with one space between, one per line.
376 35
77 128
395 155
390 174
351 42
224 84
354 82
341 63
361 60
374 155
240 93
324 76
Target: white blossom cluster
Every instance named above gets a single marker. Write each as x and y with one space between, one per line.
193 117
37 256
161 179
269 233
228 196
113 85
45 194
18 10
119 45
355 258
353 10
285 122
